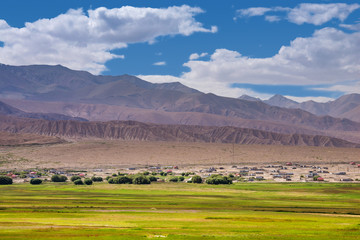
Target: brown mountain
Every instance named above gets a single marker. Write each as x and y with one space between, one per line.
347 106
56 89
6 109
131 130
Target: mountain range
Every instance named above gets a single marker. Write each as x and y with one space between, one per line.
79 95
131 130
347 106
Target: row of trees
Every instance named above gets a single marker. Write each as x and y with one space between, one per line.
125 179
132 179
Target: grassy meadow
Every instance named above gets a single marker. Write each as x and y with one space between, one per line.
180 211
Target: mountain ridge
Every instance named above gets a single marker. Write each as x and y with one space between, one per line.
125 97
137 131
346 106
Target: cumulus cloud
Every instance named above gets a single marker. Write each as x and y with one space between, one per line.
311 13
329 56
354 27
195 56
159 63
318 14
84 41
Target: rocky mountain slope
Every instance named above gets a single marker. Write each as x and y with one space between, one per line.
56 89
131 130
6 109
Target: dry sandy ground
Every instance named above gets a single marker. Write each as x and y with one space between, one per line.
111 154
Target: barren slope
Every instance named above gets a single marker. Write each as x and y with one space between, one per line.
18 139
131 130
101 112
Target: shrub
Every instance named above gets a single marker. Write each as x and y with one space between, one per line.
173 179
163 174
154 173
73 178
122 180
218 179
35 181
140 179
88 181
78 182
4 180
111 180
97 179
107 178
146 173
196 179
181 178
152 179
58 178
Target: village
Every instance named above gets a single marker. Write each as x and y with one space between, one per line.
287 172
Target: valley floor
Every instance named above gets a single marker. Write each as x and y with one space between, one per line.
251 161
116 154
180 211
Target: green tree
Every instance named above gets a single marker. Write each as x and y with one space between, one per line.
73 178
196 179
78 182
35 181
58 178
4 180
140 179
88 181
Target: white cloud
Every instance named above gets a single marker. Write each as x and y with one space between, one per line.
252 12
159 63
160 78
304 99
84 41
195 56
345 87
354 27
272 18
328 57
318 14
311 13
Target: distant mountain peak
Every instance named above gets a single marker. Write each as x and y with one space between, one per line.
281 101
280 97
249 98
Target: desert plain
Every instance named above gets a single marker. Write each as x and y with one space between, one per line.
110 156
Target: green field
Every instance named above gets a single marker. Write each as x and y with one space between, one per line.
180 211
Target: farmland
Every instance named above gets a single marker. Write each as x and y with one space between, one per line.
180 211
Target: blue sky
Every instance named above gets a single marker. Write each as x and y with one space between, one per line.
300 49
